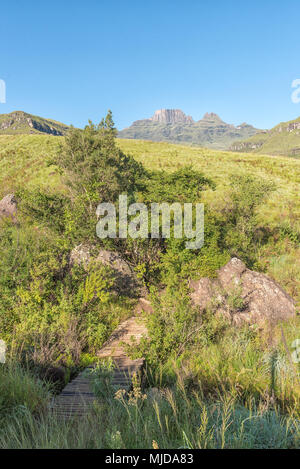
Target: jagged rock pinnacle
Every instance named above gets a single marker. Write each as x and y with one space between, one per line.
171 116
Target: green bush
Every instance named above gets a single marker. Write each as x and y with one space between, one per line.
172 326
246 195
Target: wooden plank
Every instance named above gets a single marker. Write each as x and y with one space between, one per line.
77 398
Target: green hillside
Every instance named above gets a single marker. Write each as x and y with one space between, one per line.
24 162
20 122
284 139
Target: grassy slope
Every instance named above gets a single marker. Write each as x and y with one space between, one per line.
279 141
219 165
23 160
283 206
21 126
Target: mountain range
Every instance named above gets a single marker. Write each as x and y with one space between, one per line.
173 125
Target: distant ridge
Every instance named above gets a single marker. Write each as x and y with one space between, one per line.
283 139
173 125
19 122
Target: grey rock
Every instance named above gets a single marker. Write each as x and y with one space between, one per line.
171 116
126 282
24 123
8 207
260 297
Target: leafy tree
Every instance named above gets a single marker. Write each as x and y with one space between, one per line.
184 185
247 194
96 169
172 326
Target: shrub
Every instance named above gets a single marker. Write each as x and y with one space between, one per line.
172 326
247 194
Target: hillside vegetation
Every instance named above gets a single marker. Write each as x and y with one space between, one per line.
216 385
284 139
20 122
25 161
220 165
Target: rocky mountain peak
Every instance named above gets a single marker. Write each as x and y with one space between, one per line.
211 116
177 127
171 116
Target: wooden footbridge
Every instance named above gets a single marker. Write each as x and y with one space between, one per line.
77 398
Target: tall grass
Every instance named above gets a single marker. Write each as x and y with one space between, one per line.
21 392
168 418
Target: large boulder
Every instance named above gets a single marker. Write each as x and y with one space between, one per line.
126 282
242 295
125 279
8 207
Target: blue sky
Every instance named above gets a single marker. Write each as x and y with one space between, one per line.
72 60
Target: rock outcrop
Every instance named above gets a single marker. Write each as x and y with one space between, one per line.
8 207
171 116
212 116
276 141
19 122
125 279
243 295
126 282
